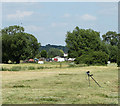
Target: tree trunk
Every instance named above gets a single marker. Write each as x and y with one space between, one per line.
17 61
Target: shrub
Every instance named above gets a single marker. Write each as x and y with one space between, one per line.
3 69
93 58
31 68
72 65
40 67
15 68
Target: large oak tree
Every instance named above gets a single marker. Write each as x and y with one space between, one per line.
17 45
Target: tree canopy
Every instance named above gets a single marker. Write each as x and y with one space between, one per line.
111 40
49 46
17 45
55 52
118 53
84 42
44 53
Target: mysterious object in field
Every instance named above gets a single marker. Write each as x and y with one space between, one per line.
91 75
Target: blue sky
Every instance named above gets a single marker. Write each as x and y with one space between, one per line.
50 21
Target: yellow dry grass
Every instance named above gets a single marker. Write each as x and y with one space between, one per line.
60 85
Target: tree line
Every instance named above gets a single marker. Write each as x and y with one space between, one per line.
18 45
52 52
85 45
49 46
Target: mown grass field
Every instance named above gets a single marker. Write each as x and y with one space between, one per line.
65 85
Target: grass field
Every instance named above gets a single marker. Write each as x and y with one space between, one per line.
55 85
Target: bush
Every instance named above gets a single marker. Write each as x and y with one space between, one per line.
3 69
72 65
40 67
93 58
31 68
15 68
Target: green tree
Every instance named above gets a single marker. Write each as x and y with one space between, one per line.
18 45
38 55
83 42
113 53
44 53
32 47
6 42
118 52
54 52
12 30
93 58
111 38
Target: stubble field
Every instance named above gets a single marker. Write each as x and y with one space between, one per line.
55 85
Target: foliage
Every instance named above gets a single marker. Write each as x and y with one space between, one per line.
32 47
48 47
54 52
93 58
16 68
31 68
113 53
118 56
38 55
5 48
18 45
12 30
82 43
111 39
44 53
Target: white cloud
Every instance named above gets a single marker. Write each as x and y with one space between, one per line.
54 24
88 17
33 28
67 15
19 14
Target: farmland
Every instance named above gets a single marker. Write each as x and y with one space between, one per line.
59 84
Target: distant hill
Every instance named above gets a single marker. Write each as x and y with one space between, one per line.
48 46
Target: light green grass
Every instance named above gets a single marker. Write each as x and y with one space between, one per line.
60 85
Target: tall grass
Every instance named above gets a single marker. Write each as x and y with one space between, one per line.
14 68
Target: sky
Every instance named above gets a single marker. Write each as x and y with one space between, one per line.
50 21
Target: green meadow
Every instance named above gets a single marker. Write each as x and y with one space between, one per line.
55 83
